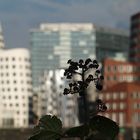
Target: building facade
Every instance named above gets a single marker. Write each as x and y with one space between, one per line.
122 101
116 71
49 98
135 38
15 88
54 43
2 44
110 42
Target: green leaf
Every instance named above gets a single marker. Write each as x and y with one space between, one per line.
49 128
104 127
79 131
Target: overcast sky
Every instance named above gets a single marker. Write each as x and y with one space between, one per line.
19 16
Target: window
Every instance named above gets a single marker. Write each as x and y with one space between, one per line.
114 106
24 121
4 97
122 106
115 95
8 122
114 116
122 95
16 97
8 89
15 89
13 66
108 96
121 119
108 68
115 68
6 58
14 74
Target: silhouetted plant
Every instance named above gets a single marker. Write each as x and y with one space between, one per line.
95 126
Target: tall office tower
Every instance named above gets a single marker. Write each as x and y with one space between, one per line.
110 42
53 44
49 98
1 39
135 38
15 88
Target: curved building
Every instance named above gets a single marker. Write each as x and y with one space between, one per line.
15 87
2 45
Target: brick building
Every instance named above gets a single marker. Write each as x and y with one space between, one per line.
135 38
123 102
120 71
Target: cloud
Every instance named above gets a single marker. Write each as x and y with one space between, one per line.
19 16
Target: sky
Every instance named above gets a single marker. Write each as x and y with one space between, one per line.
17 17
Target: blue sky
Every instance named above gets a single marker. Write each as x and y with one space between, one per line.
19 16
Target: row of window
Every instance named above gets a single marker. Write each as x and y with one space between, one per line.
113 96
121 78
119 68
10 122
16 89
15 82
10 97
15 74
115 106
16 105
13 59
135 95
15 66
136 106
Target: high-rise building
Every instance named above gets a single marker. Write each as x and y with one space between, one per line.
15 88
49 98
54 43
110 42
2 45
135 38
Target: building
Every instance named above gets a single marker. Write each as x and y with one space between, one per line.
117 71
49 98
54 43
2 45
15 88
134 38
123 105
110 42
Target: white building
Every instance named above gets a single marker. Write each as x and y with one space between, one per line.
52 101
2 45
15 87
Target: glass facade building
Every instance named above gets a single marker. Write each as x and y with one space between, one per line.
111 42
54 43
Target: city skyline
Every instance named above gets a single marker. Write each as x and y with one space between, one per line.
18 17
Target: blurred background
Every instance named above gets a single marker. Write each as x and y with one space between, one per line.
38 37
